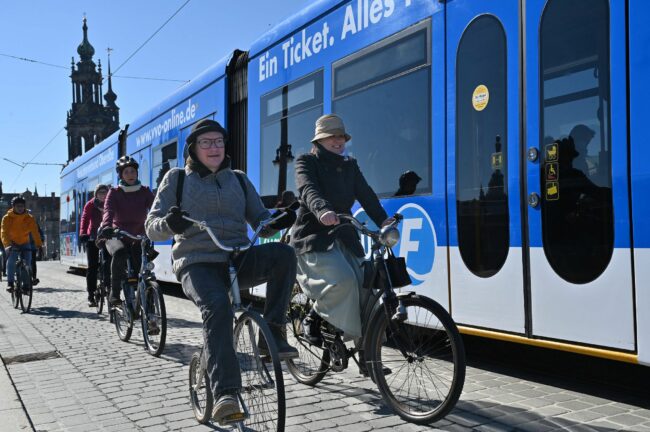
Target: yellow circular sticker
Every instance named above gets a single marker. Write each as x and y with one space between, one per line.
480 97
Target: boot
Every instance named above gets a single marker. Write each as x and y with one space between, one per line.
285 351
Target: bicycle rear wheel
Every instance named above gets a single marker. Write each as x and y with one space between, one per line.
26 290
200 394
313 361
262 381
123 320
426 358
154 319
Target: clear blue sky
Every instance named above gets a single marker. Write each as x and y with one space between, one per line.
34 98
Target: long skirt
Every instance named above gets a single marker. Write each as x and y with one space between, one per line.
333 280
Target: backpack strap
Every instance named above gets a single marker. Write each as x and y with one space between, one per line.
242 183
179 187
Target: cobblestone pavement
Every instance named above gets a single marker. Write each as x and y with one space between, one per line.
73 374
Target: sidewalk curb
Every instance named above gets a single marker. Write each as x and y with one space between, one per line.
12 411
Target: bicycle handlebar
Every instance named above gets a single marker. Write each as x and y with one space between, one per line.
203 226
387 235
121 233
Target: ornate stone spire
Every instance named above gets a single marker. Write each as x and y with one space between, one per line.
85 49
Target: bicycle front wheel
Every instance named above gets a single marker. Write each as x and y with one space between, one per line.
26 290
123 319
200 393
261 373
418 364
154 319
100 293
312 363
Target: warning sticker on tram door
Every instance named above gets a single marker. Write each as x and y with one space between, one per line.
551 171
552 191
551 152
480 97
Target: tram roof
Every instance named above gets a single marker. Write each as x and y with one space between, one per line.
79 160
293 24
204 79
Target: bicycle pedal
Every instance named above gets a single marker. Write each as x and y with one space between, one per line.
233 418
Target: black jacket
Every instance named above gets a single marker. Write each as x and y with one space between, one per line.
330 182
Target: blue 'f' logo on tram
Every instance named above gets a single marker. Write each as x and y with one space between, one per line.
417 240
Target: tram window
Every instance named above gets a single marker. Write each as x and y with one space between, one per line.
393 58
288 112
481 147
72 211
164 158
389 114
577 212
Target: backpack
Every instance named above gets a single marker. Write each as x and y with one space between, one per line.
181 181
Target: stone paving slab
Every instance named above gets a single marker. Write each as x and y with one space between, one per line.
94 382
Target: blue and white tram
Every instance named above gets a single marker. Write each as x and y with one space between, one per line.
509 133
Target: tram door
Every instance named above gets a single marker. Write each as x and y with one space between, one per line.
576 163
144 171
486 269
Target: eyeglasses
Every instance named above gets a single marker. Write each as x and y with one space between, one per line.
206 143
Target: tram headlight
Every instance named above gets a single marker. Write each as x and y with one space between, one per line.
389 236
150 266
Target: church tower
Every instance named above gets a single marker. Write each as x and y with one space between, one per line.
89 121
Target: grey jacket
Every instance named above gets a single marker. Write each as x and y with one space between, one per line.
218 199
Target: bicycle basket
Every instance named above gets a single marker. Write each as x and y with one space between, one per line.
397 272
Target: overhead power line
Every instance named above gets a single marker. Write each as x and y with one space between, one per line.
29 60
151 37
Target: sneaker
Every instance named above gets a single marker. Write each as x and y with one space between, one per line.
10 287
115 301
285 351
92 303
35 281
311 331
226 409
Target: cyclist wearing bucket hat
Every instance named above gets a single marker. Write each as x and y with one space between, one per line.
329 263
208 189
126 208
91 218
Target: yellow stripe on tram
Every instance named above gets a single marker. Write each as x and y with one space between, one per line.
561 346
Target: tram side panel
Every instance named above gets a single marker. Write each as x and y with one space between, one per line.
639 71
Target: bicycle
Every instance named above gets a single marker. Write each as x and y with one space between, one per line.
148 304
261 397
413 350
23 290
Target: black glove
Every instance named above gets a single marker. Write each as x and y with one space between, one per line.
288 218
106 233
175 220
84 238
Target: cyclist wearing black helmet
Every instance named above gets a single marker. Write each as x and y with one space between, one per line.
126 208
17 226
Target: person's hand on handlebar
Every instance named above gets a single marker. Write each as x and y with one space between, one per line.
329 218
106 233
288 217
175 220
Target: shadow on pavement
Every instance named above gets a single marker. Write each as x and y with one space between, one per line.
48 290
179 352
182 323
55 312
